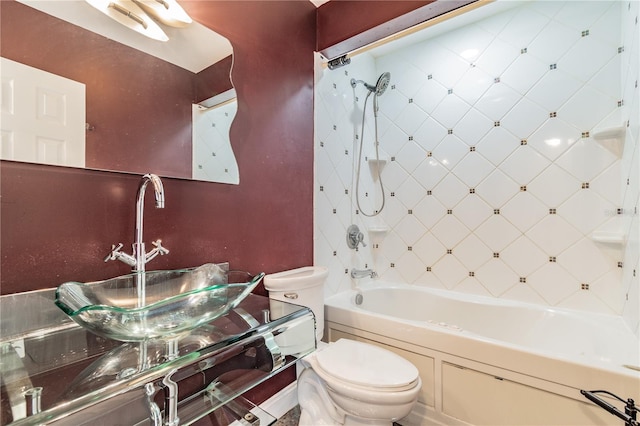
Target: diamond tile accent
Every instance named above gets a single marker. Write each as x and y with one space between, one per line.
553 282
523 28
574 113
497 101
524 210
450 151
410 229
553 42
554 89
472 211
553 138
473 253
598 52
450 271
473 169
410 156
473 85
497 57
450 111
497 145
524 73
523 256
586 210
553 234
585 160
429 172
497 233
450 190
524 118
524 164
411 119
450 231
497 189
429 249
563 184
573 260
496 277
472 127
410 192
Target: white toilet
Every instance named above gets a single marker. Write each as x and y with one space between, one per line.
345 382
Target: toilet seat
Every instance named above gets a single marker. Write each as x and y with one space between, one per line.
363 384
361 365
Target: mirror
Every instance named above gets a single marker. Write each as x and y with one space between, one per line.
140 112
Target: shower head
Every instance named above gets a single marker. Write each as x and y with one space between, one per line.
381 84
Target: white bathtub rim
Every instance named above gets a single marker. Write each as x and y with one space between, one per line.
482 299
345 301
604 318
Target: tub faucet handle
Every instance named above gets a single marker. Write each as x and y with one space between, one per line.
355 237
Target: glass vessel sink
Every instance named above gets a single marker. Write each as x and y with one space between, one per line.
155 304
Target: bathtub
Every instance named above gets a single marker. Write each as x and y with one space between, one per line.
489 361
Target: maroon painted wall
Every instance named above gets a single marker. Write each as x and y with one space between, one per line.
58 223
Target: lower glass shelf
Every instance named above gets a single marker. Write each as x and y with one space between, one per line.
235 412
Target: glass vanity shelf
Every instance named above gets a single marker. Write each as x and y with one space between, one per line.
85 377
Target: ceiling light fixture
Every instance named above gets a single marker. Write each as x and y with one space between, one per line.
167 12
130 15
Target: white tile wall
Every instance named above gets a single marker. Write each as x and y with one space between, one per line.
494 183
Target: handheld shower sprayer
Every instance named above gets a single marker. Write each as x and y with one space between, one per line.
381 86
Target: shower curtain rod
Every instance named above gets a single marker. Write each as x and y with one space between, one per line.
403 33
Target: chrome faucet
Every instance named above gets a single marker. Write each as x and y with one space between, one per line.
140 257
361 273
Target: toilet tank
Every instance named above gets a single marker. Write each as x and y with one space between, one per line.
301 286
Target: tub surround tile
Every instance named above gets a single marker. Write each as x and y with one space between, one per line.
489 143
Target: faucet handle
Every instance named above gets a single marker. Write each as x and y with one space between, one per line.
113 255
158 246
355 237
116 254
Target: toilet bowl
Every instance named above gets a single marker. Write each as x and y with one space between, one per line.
355 383
345 382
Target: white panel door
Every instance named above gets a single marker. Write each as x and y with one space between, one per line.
43 116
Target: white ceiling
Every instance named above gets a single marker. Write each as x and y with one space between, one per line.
194 47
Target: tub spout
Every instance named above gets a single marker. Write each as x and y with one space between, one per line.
361 273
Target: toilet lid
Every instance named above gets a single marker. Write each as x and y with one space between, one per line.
366 365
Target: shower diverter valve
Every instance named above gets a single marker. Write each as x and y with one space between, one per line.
354 237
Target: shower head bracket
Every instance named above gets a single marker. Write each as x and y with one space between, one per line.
379 88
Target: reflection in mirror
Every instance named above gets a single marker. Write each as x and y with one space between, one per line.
213 158
135 95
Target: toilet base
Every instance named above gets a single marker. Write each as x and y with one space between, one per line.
317 408
307 419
